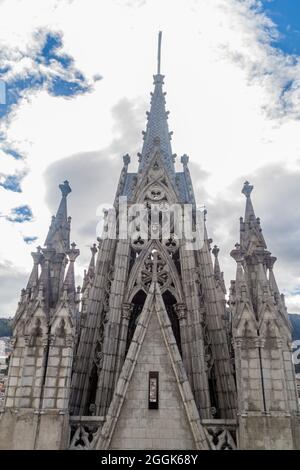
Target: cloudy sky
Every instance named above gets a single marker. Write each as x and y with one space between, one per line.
78 75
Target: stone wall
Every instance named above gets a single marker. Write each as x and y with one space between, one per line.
28 430
265 433
141 428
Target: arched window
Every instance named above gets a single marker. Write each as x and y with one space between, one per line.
138 304
170 301
92 390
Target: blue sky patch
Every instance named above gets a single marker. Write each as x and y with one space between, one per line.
12 153
64 80
57 75
12 183
21 214
51 51
2 92
286 16
29 240
61 87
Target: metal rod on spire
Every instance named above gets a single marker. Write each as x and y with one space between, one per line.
159 52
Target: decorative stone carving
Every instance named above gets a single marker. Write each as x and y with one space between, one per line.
126 311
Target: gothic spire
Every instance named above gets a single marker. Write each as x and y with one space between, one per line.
90 273
34 276
59 232
249 212
69 282
157 130
251 232
219 276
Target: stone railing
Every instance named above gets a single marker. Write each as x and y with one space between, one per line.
221 433
84 430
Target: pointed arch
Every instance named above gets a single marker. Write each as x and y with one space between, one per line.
246 324
39 316
155 173
170 301
269 328
135 282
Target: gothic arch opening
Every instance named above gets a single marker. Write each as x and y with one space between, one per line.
92 390
170 302
176 260
212 383
137 307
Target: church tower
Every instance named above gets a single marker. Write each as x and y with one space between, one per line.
155 300
154 358
261 332
35 414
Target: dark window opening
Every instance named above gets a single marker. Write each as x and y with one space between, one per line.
133 256
212 383
92 390
176 260
170 301
138 304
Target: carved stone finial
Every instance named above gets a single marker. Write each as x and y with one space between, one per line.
65 188
247 189
73 253
94 249
216 251
237 254
181 312
99 240
271 260
37 256
126 159
156 141
184 159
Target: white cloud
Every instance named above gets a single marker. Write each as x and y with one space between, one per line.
225 92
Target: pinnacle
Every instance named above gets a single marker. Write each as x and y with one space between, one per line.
65 188
216 251
247 189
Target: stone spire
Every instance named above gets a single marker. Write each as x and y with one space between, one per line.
59 232
251 232
69 282
242 295
258 263
90 273
217 270
219 276
157 130
34 276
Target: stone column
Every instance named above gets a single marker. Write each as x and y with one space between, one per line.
197 376
126 314
237 345
108 373
181 312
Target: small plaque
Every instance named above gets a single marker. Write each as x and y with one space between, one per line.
153 390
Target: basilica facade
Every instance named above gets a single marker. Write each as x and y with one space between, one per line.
150 352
